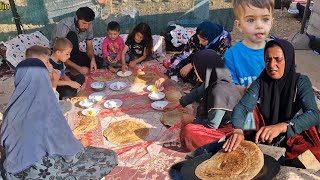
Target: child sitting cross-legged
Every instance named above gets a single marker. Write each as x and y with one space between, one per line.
67 86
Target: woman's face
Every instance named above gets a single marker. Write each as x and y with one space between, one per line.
203 41
275 62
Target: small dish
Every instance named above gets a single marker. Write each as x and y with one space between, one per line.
125 74
90 112
112 103
98 86
159 105
86 103
118 86
152 88
97 96
156 95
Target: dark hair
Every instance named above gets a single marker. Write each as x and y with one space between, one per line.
85 13
145 30
239 5
113 26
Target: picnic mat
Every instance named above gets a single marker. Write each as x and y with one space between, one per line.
160 149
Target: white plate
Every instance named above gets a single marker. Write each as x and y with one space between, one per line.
159 105
126 74
156 95
90 112
86 103
153 88
99 85
112 103
118 86
97 96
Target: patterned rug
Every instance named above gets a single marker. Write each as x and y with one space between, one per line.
149 159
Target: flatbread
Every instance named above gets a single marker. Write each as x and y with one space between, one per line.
77 99
243 163
173 96
170 118
107 77
86 124
126 132
144 78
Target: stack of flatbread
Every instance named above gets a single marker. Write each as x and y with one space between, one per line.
173 96
128 131
144 78
243 163
77 99
170 118
108 77
86 124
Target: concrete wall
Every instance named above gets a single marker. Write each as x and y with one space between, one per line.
314 22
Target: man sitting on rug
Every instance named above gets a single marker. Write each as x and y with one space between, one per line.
78 29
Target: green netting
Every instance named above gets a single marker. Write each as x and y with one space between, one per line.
43 14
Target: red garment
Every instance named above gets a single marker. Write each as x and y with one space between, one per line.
195 135
297 145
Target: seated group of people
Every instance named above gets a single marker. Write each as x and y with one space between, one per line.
39 143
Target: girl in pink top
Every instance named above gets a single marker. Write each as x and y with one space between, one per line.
113 45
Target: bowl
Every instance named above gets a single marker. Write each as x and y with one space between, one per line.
118 86
152 88
98 86
112 103
97 96
86 103
155 96
90 112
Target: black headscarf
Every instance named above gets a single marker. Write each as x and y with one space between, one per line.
277 96
220 92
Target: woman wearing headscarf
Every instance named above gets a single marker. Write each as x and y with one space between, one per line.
286 113
37 140
212 120
208 36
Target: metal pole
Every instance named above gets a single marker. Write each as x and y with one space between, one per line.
15 16
304 19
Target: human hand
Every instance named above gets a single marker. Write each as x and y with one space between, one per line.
186 70
74 84
132 64
171 106
234 140
93 66
83 70
55 77
124 68
159 82
267 133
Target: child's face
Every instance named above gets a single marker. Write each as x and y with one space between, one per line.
64 55
138 37
203 41
112 34
255 23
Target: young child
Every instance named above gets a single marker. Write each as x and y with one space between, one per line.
67 86
43 53
137 47
113 45
245 59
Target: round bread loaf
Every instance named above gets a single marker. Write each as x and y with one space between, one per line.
126 132
243 163
144 78
173 96
171 118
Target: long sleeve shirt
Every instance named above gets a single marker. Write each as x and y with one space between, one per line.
305 100
110 47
